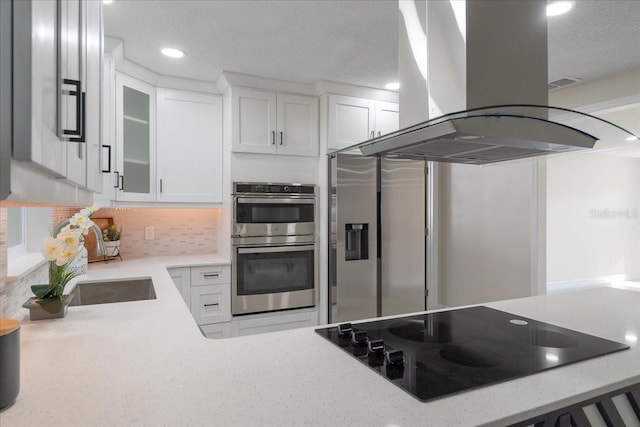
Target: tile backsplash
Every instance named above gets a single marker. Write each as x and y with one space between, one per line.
176 231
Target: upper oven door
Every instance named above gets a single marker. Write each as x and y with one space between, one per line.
273 216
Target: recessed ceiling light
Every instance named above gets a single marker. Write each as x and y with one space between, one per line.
632 138
107 1
172 53
559 7
392 86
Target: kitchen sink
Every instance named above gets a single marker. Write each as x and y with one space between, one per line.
111 291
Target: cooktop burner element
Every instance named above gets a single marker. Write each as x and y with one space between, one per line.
469 356
437 354
420 331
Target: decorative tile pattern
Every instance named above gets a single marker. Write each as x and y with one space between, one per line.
177 231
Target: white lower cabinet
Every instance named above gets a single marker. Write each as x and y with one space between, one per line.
211 303
182 278
207 292
273 322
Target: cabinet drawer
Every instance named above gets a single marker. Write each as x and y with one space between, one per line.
217 330
211 304
212 275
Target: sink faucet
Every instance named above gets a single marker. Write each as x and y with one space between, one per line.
100 248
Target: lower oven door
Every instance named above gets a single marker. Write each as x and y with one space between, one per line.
268 278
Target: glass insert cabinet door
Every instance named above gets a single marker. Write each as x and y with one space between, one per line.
268 270
136 139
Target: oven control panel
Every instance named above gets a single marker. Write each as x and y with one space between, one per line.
242 188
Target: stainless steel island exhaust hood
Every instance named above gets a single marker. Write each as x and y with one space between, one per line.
492 134
504 57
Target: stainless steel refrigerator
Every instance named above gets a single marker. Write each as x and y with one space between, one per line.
377 237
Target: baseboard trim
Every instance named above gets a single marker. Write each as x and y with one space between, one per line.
576 284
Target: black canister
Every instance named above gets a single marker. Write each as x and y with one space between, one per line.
9 361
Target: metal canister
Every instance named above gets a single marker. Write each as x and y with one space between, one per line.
9 361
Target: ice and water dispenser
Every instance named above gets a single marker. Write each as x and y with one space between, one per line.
356 241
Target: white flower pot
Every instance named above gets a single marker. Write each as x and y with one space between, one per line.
112 247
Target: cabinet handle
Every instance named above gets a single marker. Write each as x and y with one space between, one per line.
108 147
372 135
83 115
160 185
212 275
122 182
281 138
77 92
209 305
273 137
117 179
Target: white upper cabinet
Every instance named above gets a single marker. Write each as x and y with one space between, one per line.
135 140
56 95
351 120
189 147
168 144
80 100
254 121
297 130
93 51
387 118
354 120
108 132
73 93
35 87
270 123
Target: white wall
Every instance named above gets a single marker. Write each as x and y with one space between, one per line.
584 240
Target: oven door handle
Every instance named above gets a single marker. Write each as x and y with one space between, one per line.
274 249
278 201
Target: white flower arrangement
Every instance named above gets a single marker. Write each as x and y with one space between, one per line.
60 252
65 246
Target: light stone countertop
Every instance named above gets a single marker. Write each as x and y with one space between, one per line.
145 363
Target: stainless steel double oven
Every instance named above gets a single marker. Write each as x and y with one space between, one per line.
274 249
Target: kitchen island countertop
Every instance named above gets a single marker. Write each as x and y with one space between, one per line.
146 363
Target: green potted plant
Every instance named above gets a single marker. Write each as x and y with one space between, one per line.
111 236
63 251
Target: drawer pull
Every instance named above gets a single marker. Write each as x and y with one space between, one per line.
209 305
211 275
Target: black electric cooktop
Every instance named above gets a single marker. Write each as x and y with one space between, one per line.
437 354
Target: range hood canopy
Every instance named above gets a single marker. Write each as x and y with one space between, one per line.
495 134
500 68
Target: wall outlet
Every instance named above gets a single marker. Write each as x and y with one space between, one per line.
149 233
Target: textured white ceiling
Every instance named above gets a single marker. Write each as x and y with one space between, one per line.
596 38
344 41
303 41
